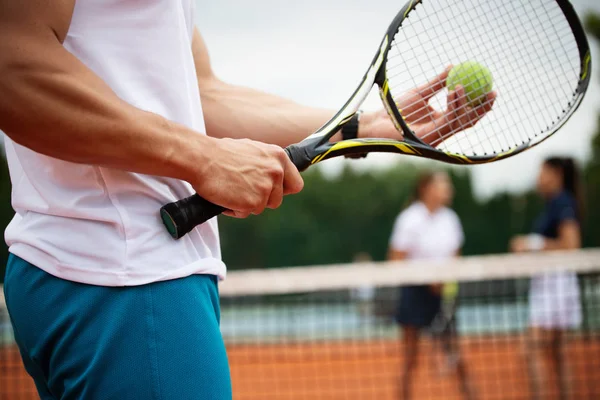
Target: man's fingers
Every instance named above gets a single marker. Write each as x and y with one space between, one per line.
236 214
451 100
462 103
254 176
446 118
456 105
276 197
428 90
459 115
488 104
477 113
292 180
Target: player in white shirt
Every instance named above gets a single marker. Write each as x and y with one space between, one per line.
101 105
427 229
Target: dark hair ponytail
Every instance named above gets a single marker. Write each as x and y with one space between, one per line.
571 179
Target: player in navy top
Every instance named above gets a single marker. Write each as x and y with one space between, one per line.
554 299
560 208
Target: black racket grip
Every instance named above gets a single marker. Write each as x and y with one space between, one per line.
184 215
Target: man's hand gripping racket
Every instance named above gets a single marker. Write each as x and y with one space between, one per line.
536 50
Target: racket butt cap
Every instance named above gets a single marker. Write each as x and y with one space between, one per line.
169 215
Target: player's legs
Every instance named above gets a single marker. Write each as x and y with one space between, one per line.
457 361
462 376
157 341
545 363
418 307
569 315
446 340
554 307
410 345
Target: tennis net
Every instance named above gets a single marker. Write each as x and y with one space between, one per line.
495 327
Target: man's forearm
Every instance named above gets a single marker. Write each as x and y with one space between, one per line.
54 105
239 112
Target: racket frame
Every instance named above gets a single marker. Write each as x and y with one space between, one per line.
317 147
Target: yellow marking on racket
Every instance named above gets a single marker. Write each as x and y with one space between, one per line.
386 88
347 144
468 160
461 157
383 92
505 154
411 6
586 65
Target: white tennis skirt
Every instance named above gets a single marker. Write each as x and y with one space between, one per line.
554 301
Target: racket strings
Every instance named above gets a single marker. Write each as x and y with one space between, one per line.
521 84
399 71
487 136
470 138
520 81
529 49
400 67
552 48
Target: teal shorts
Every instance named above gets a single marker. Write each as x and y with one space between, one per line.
152 342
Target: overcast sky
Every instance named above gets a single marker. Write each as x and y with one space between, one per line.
316 51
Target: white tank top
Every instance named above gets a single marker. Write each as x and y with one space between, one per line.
98 225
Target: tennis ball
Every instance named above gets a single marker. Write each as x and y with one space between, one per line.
475 78
450 290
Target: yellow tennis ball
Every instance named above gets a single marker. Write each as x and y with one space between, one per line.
450 290
475 78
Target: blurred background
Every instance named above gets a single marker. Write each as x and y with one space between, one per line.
290 338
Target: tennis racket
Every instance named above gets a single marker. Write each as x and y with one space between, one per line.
536 51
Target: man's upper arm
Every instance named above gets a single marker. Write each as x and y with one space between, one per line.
32 33
204 70
35 18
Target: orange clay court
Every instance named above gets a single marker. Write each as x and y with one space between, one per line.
369 370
